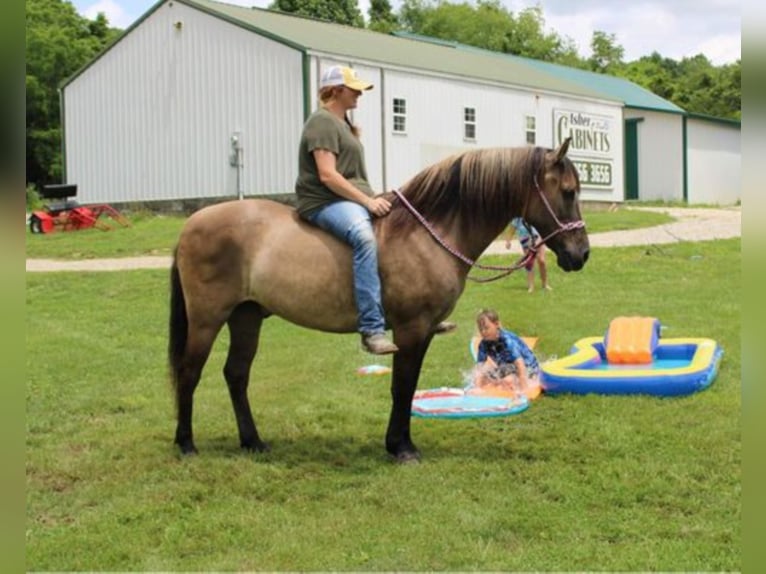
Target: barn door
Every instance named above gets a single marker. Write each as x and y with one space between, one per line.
631 158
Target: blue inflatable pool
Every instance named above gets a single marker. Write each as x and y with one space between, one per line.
678 367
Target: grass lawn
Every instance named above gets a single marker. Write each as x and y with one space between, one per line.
590 482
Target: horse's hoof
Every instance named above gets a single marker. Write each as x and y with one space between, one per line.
407 457
188 451
257 447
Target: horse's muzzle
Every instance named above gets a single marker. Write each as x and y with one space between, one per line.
570 261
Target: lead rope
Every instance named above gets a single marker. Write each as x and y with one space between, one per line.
467 260
505 270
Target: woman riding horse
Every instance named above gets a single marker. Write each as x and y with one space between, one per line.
236 263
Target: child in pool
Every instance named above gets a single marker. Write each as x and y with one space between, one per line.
505 362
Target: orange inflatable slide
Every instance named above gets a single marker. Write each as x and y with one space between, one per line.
632 340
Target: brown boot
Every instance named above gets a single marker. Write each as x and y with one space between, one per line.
445 327
378 344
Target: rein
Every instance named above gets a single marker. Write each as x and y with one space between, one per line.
505 270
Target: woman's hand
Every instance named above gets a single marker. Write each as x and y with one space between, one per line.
334 180
378 206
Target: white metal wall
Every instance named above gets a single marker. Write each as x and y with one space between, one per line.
713 162
660 155
152 119
435 123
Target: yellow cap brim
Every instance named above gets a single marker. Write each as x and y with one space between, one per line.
358 85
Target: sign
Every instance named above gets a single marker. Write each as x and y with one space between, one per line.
593 145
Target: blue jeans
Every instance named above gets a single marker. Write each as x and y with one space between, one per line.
352 223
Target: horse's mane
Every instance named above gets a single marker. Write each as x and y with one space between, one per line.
485 186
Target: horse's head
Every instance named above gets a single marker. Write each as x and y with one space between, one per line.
553 208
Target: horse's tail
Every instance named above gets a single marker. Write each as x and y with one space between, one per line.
178 324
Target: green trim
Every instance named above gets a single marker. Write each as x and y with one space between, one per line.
241 24
631 158
679 111
714 119
684 161
306 65
62 103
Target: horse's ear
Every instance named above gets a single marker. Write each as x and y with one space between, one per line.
562 151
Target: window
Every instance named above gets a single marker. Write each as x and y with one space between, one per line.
530 126
469 123
400 116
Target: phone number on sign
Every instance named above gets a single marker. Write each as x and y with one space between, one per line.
594 172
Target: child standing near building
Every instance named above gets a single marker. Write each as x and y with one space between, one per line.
528 236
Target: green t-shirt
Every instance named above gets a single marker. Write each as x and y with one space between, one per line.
325 131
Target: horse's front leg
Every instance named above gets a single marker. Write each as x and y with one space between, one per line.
407 363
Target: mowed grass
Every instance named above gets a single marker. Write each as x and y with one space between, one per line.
601 483
156 235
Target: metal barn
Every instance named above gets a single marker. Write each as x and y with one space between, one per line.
201 100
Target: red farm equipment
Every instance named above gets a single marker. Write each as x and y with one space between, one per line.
63 213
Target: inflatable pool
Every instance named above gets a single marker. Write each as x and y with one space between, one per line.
449 402
667 367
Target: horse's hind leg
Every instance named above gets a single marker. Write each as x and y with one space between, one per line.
244 328
198 346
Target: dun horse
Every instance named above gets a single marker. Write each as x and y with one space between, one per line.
236 263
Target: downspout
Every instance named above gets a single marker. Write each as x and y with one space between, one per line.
383 128
236 161
685 141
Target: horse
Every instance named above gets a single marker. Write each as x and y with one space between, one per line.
240 261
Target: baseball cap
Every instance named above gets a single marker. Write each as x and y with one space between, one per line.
342 76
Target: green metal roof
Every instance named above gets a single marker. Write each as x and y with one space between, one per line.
633 95
609 87
361 44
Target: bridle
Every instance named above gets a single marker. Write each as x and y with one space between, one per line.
505 270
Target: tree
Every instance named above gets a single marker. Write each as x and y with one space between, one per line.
58 42
339 11
530 39
606 53
693 84
488 25
653 72
382 18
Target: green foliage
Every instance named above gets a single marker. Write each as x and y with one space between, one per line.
693 84
339 11
486 24
575 483
529 38
33 199
381 17
58 42
606 53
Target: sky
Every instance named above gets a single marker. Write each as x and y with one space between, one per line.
674 28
